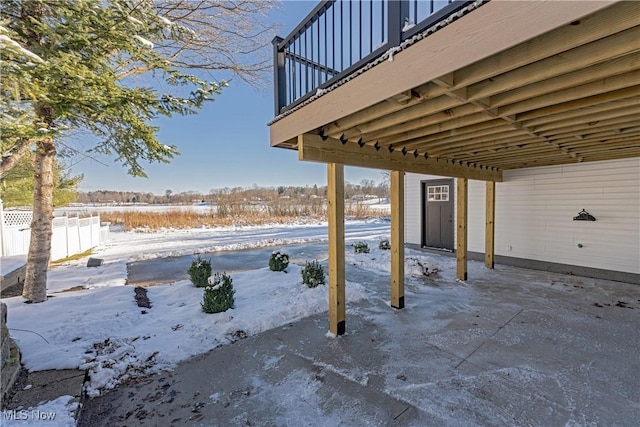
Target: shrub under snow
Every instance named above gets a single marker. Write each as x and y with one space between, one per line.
278 261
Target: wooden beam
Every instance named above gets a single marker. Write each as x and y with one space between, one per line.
570 61
490 214
450 125
586 118
413 112
335 213
461 224
383 108
594 126
579 112
615 18
596 72
466 134
314 148
573 94
439 117
397 239
486 137
615 96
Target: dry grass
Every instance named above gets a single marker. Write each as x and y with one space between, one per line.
57 262
226 214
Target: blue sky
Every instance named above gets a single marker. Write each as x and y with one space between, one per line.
225 145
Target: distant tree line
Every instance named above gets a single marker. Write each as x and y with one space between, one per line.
366 188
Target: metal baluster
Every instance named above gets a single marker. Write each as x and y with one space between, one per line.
370 25
333 36
299 66
350 34
313 68
319 60
360 29
382 22
290 87
326 61
341 40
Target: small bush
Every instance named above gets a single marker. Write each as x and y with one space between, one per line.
218 294
361 248
278 261
384 244
200 271
313 274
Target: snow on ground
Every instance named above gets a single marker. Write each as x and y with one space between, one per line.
125 247
416 264
11 263
58 412
139 246
102 329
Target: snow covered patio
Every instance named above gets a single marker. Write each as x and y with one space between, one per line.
508 347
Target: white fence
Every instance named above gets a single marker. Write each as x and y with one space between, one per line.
70 235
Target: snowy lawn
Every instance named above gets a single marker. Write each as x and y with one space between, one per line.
104 330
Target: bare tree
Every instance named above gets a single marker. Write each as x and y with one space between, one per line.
69 65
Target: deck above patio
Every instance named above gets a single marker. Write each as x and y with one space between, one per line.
470 90
456 89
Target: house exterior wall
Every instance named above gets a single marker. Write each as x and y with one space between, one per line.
535 209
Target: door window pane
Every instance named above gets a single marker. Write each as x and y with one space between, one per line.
438 193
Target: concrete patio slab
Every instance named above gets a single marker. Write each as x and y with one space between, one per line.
508 347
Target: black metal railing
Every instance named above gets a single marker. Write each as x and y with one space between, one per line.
339 36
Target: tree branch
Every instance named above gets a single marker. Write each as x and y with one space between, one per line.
10 159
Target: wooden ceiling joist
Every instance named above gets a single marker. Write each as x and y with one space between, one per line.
316 149
613 96
631 102
586 118
594 127
619 17
415 111
573 94
617 66
572 61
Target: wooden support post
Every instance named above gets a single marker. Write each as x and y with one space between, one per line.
461 224
335 213
489 235
397 239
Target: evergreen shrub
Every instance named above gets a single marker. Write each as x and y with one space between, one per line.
200 271
218 294
278 261
313 274
361 248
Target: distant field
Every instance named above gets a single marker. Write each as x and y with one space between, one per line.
139 216
204 209
89 209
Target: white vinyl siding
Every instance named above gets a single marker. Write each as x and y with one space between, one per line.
412 208
535 209
476 220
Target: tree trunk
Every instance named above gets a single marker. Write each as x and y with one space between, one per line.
35 281
35 284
